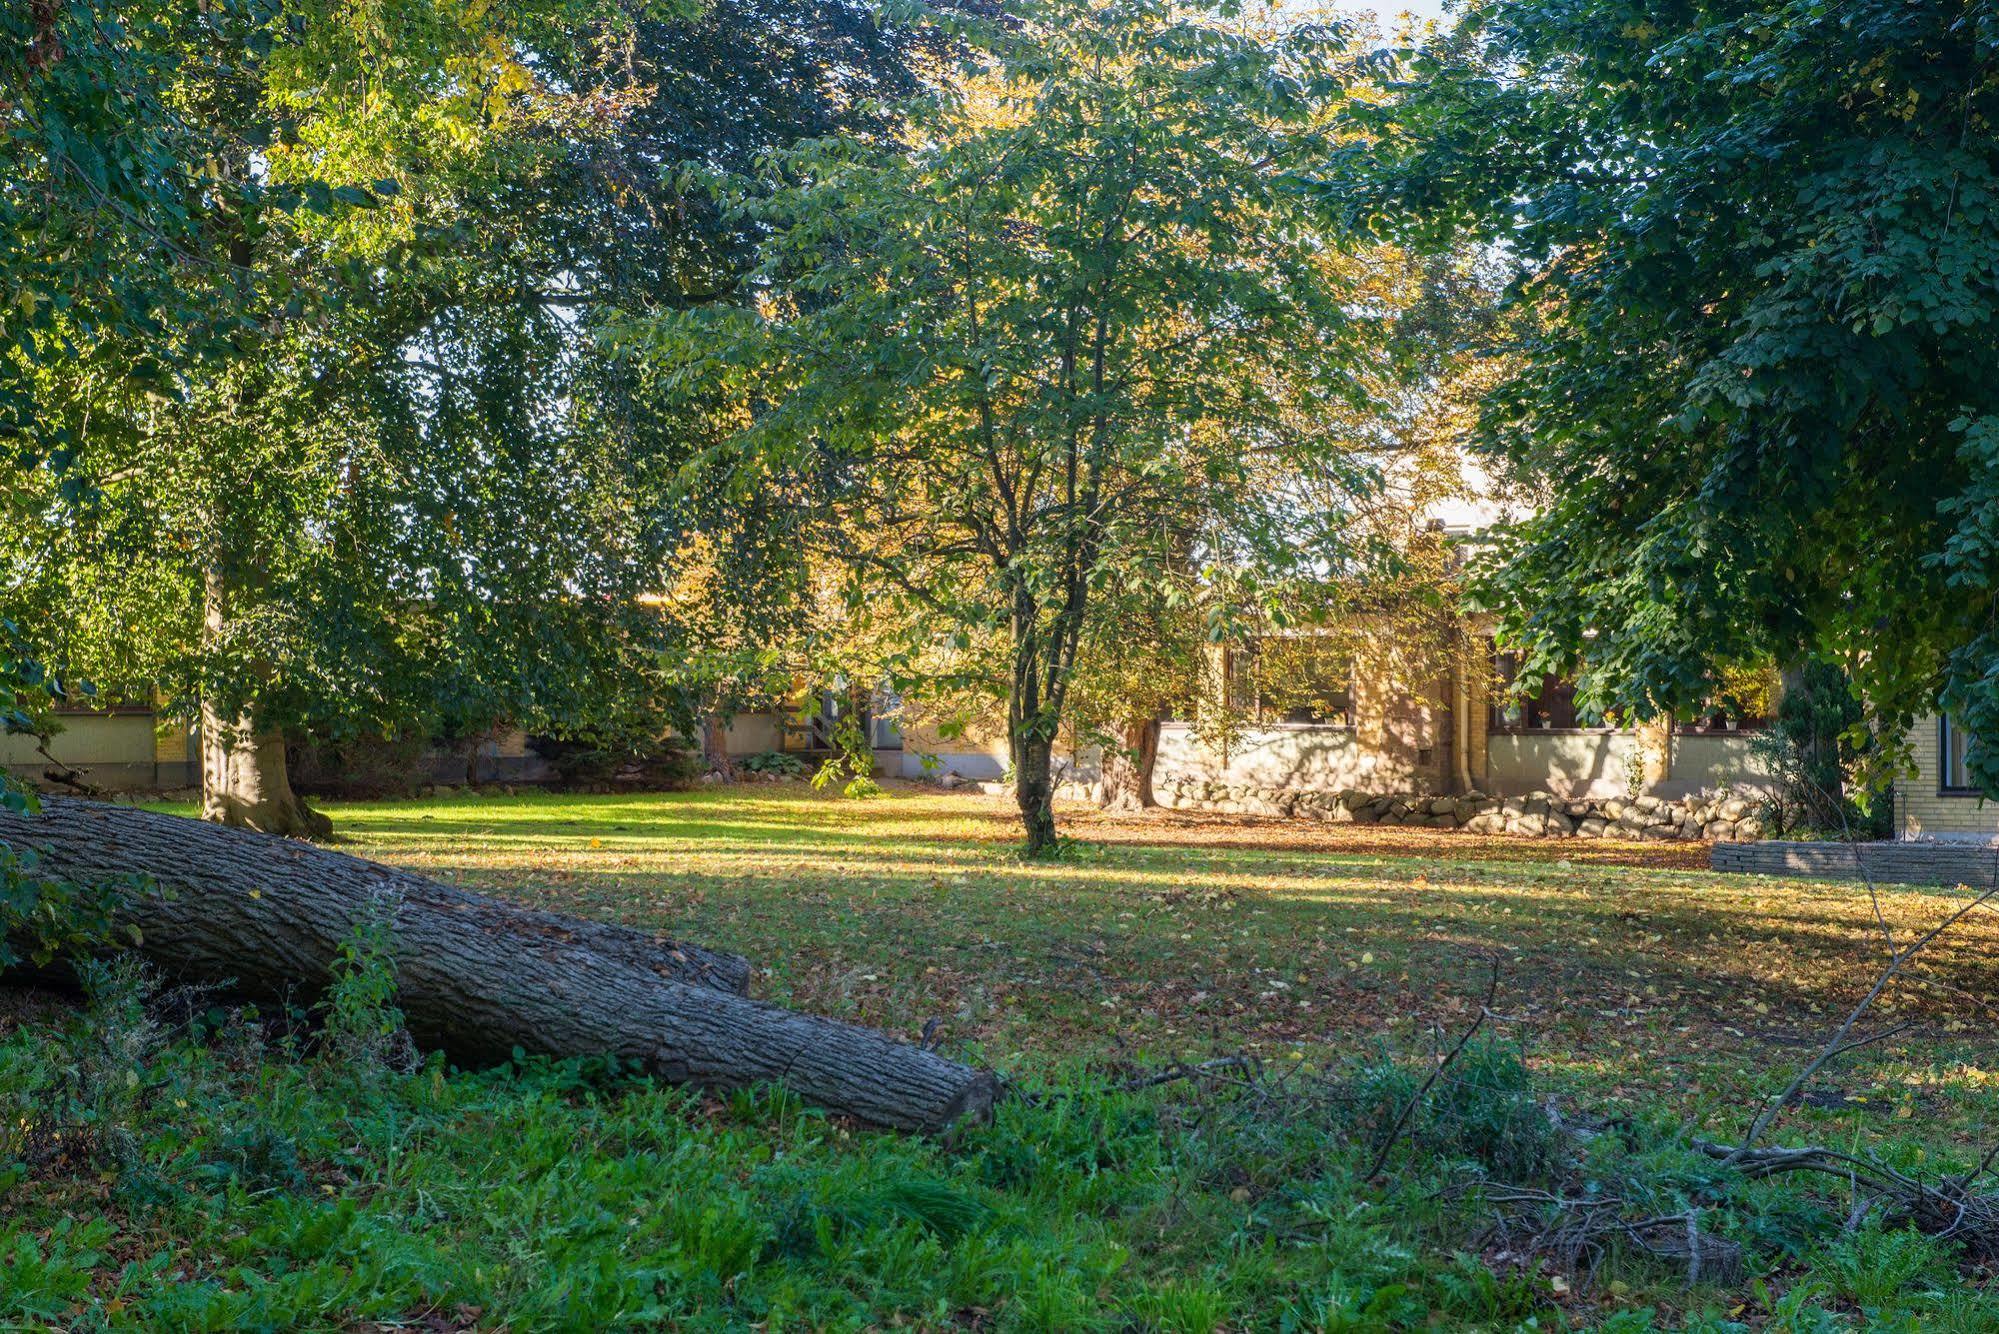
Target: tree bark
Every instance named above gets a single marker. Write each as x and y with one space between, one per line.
478 977
1128 767
244 779
1034 789
715 747
246 783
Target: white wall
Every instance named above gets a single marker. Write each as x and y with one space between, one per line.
1716 759
113 749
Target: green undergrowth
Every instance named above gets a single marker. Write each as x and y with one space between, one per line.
172 1164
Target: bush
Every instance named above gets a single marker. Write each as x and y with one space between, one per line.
1812 746
663 765
773 763
1483 1109
361 767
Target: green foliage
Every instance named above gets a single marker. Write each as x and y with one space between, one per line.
1483 1109
773 762
41 916
1060 346
1755 399
1874 1267
853 763
1818 741
304 295
363 1030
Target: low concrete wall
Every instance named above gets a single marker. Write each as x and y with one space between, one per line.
111 750
1574 764
1910 863
1704 761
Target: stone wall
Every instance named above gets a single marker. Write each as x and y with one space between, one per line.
1930 862
1535 815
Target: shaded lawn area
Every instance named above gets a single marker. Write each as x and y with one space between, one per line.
212 1173
1636 972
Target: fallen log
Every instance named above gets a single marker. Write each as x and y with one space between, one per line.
478 977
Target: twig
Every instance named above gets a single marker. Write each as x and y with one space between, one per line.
1181 1070
1838 1042
1409 1108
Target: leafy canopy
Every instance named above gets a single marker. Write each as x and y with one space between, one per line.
1066 337
1757 396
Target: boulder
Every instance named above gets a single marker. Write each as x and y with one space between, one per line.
1590 826
1560 825
1720 831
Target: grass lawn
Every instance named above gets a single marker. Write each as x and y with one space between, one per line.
233 1182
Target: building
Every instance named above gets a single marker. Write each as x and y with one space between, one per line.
1938 801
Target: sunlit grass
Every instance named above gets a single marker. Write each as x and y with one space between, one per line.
1632 971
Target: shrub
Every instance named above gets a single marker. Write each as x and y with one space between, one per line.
774 763
659 765
361 766
1482 1109
364 1030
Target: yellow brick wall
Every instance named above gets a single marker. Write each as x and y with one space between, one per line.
173 743
1918 808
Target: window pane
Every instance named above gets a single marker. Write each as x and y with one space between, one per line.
1955 743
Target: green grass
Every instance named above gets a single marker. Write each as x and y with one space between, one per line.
245 1175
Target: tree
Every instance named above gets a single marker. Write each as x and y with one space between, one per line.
399 497
1075 309
1757 388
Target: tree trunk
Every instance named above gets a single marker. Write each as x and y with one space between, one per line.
1034 789
246 783
479 977
715 746
244 779
1128 767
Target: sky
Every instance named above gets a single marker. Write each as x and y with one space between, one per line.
1428 9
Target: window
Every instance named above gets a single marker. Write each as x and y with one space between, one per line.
1292 679
1953 775
1552 706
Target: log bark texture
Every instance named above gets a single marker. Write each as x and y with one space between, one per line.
476 976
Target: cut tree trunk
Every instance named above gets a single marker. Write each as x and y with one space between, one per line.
1128 767
477 977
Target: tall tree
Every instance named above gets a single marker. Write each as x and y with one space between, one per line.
1072 313
1757 397
400 497
279 536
